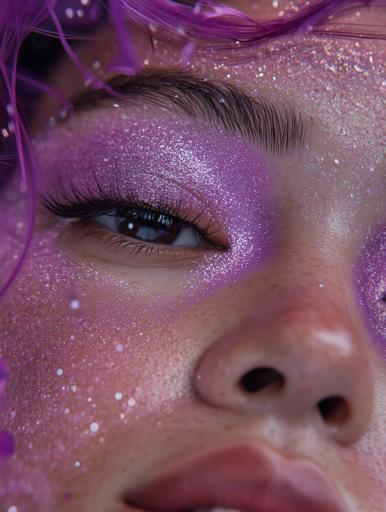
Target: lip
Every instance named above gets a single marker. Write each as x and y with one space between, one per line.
246 477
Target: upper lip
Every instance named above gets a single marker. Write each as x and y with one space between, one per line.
247 477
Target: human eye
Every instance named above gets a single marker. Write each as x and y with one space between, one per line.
161 188
157 228
151 226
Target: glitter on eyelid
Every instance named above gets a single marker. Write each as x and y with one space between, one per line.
233 182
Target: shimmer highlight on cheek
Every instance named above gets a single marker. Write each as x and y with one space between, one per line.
370 280
151 158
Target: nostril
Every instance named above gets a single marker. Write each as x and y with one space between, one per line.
260 378
334 410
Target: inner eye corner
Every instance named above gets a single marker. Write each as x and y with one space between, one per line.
383 297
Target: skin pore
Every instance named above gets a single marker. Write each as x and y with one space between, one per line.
122 360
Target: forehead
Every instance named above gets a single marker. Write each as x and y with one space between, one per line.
337 82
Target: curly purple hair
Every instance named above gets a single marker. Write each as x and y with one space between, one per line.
196 24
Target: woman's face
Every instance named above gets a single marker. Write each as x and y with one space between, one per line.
252 333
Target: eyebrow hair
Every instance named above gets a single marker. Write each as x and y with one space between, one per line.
277 127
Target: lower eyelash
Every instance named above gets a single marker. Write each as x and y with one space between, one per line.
112 240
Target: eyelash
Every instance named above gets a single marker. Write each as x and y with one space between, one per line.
84 207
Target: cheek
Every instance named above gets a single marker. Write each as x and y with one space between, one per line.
370 280
84 352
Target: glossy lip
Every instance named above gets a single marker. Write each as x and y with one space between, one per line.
246 477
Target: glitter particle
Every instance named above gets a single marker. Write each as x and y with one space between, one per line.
59 372
74 304
118 395
94 427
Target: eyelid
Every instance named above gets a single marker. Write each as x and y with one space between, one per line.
94 206
82 206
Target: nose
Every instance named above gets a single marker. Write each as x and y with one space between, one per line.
304 364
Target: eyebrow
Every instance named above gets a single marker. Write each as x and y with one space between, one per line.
275 126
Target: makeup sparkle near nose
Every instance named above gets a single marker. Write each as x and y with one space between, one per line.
74 304
94 427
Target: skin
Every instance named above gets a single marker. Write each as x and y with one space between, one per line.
101 396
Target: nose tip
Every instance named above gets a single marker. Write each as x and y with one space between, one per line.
296 365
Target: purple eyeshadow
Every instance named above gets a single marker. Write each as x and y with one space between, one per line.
370 281
178 161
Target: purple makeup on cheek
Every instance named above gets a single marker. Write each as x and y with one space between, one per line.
3 375
173 160
7 442
370 278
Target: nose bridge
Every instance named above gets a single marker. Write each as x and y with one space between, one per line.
305 362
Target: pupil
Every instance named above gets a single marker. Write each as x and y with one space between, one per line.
148 225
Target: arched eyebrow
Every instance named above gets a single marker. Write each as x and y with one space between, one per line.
277 127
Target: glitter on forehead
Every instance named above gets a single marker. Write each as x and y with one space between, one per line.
340 83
